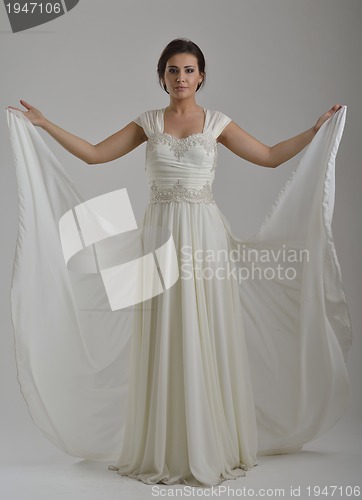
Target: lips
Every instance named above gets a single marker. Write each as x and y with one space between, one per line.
180 88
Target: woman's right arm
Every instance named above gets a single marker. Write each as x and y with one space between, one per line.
111 148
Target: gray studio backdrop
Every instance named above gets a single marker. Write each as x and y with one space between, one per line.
273 66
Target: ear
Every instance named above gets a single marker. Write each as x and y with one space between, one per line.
164 85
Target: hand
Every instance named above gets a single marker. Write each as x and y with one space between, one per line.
326 115
34 115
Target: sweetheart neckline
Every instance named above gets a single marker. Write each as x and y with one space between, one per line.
182 138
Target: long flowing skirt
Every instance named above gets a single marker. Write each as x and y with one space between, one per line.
191 413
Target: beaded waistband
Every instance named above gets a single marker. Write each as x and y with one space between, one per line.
179 192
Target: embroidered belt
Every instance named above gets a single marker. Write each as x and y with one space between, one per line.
179 192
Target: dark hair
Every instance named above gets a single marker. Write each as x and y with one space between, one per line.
179 46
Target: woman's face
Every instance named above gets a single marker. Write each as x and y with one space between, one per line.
182 75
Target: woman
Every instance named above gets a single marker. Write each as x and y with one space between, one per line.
181 70
192 416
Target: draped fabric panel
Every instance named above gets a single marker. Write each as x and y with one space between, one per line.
73 350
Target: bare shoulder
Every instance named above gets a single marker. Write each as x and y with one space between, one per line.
230 130
246 146
120 143
138 130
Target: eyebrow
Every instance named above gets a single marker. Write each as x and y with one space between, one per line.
189 66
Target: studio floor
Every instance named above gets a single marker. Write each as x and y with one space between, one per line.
31 468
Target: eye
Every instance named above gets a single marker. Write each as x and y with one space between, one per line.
172 70
190 70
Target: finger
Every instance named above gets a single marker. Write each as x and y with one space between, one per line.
336 107
13 107
331 111
24 103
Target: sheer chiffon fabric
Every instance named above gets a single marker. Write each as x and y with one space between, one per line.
193 384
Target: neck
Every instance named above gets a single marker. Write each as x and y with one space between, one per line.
182 106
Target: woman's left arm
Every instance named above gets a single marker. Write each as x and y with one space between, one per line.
246 146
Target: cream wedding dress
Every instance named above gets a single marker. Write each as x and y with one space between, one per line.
231 360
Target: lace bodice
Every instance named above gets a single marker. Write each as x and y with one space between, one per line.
181 169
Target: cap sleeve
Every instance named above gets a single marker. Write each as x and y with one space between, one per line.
138 121
147 121
217 122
